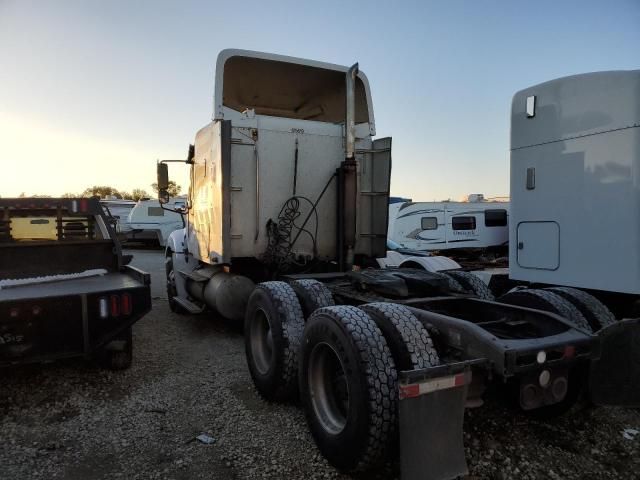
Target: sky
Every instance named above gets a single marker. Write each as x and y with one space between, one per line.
93 92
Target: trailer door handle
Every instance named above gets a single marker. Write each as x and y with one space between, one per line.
520 245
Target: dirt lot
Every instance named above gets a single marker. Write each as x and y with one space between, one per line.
72 420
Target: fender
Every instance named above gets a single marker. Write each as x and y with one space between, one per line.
430 264
176 241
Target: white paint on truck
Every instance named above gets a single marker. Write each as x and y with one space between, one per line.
575 196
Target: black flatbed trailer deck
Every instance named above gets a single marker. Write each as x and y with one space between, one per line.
66 289
130 279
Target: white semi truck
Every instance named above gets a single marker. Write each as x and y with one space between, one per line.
287 211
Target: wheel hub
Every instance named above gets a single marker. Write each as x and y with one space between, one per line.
328 387
261 340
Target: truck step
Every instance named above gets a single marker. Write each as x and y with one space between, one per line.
188 305
195 275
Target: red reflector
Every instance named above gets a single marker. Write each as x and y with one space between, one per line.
569 351
36 310
409 391
126 304
459 380
84 205
115 305
14 312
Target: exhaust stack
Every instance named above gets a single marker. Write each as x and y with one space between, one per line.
350 123
348 179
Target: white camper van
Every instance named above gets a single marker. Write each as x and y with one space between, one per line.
449 225
148 221
119 209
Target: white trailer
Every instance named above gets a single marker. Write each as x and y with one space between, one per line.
449 225
149 221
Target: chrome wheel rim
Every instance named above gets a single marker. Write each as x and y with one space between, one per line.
261 340
328 387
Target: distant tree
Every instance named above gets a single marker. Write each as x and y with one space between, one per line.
41 196
22 195
138 194
174 188
101 191
70 195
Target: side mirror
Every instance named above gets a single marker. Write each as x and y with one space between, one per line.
191 154
163 183
163 196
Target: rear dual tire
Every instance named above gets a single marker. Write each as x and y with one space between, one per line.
359 350
547 301
272 333
596 313
348 385
471 283
312 295
344 367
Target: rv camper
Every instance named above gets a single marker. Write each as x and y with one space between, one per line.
150 222
119 209
449 225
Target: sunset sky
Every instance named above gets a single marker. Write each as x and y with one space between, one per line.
93 92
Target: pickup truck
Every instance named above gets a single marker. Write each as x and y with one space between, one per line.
66 289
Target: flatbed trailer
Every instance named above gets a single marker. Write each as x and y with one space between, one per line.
66 289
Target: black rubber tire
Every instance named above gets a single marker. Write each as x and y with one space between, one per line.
171 289
409 341
280 306
118 359
454 285
471 283
370 424
547 301
312 295
596 313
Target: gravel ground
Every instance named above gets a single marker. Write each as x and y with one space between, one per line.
72 420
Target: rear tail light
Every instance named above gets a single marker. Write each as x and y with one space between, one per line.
126 304
14 312
36 310
103 307
115 306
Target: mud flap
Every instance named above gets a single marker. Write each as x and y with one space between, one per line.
614 377
432 404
